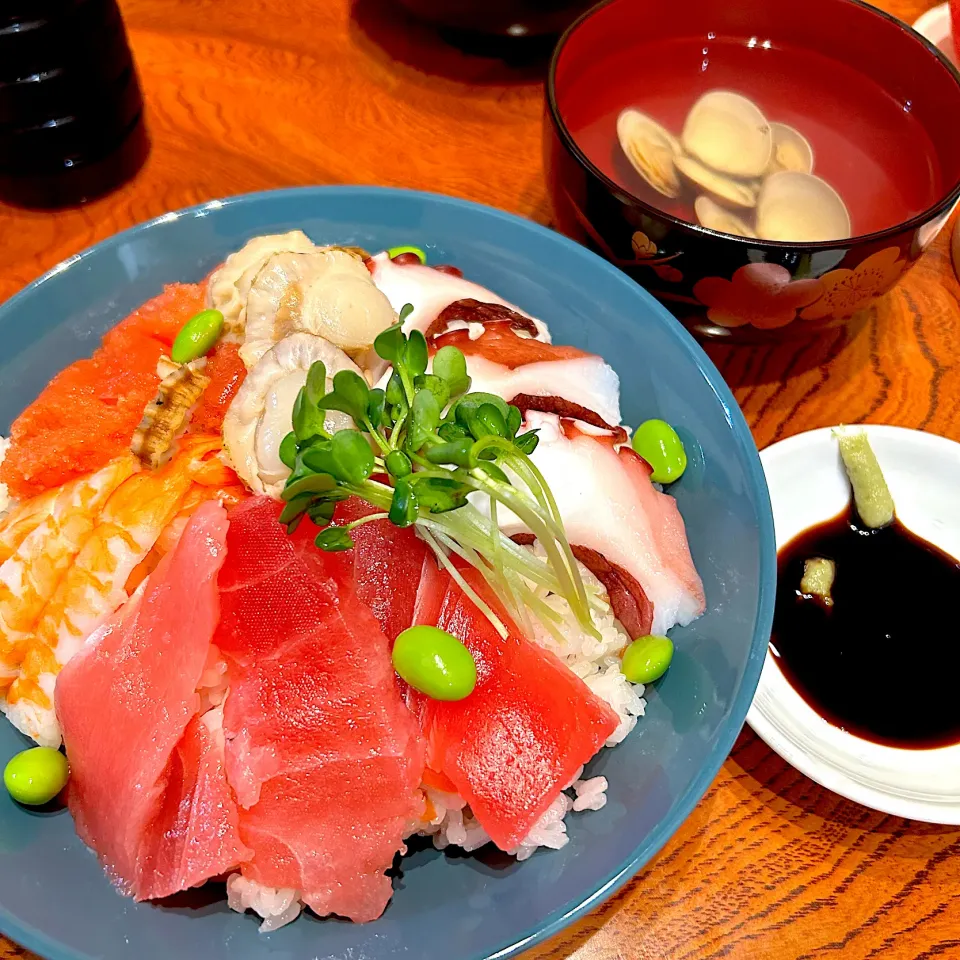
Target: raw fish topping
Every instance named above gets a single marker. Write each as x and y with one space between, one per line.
330 554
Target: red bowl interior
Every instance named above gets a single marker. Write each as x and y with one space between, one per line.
878 105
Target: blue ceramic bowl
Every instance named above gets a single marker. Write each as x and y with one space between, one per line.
55 899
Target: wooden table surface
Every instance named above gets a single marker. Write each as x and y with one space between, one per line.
245 96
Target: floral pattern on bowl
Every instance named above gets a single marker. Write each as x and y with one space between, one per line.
761 294
847 291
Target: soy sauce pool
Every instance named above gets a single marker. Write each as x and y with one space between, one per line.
883 661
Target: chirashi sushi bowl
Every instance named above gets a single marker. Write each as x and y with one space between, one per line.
338 570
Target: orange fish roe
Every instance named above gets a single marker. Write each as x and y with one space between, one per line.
226 372
87 414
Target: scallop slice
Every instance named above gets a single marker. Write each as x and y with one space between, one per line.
715 217
260 415
791 150
800 208
728 132
732 191
651 149
229 284
328 292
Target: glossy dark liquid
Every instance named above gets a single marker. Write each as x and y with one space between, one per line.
883 662
70 104
867 145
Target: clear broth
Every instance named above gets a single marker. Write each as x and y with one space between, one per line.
866 144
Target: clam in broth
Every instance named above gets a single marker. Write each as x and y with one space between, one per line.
651 149
739 193
800 208
713 216
728 133
791 150
742 174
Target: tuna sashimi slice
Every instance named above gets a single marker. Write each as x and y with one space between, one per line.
125 702
386 563
323 754
519 738
194 835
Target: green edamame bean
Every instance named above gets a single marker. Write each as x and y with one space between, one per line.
657 442
647 659
34 777
197 336
435 662
416 251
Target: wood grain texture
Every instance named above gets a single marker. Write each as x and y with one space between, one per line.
259 94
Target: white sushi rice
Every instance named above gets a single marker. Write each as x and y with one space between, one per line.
597 663
277 907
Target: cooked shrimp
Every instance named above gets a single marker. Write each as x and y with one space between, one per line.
97 583
30 576
22 520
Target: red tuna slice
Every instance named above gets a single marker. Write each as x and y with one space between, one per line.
195 833
386 562
518 739
125 702
322 752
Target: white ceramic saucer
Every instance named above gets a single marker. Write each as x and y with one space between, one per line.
807 486
935 26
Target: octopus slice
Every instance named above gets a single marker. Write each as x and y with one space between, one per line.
260 415
629 603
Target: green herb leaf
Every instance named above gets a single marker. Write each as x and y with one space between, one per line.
463 409
514 421
527 442
334 539
295 508
424 419
415 354
398 464
350 394
450 365
493 471
489 421
321 512
438 387
311 484
317 457
453 431
405 311
389 343
316 385
404 508
288 450
376 400
395 394
456 452
352 456
439 495
307 418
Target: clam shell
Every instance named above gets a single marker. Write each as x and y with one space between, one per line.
715 217
728 132
651 149
791 150
731 191
800 208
